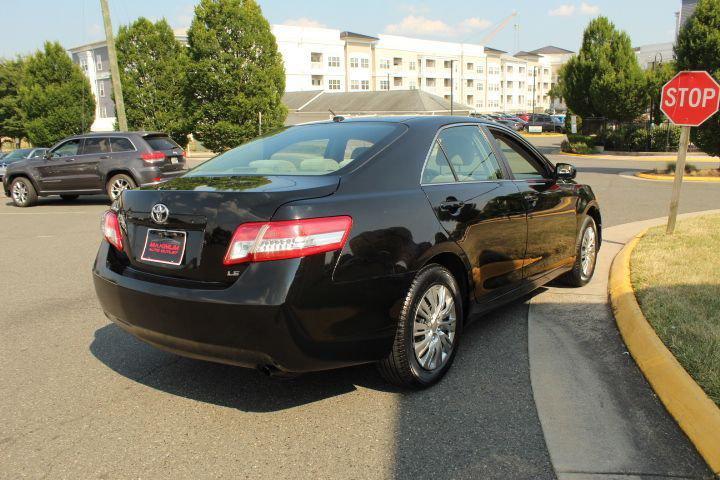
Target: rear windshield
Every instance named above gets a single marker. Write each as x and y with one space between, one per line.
317 149
161 143
17 155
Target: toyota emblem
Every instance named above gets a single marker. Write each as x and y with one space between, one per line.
159 213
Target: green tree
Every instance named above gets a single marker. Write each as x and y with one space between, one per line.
11 119
55 96
604 79
152 70
235 73
656 77
698 48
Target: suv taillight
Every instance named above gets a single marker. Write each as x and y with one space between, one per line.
262 241
153 157
111 229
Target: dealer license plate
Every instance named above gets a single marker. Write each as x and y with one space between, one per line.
164 246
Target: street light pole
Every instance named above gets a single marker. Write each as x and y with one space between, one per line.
114 70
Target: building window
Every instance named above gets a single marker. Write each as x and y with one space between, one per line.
429 63
446 97
411 84
385 63
103 111
101 89
480 86
412 65
398 81
316 57
397 61
479 104
447 63
480 69
83 64
509 69
364 84
354 63
316 80
470 66
333 61
354 84
546 72
333 84
384 85
545 85
470 100
430 82
521 70
509 84
447 82
469 83
365 63
98 62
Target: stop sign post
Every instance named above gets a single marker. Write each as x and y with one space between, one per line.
688 100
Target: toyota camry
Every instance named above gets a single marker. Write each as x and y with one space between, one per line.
345 242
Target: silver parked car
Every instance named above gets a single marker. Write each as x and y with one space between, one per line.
19 154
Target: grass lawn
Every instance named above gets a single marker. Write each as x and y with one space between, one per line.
677 283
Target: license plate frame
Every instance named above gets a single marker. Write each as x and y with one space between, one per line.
165 258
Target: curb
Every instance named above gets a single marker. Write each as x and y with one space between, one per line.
638 158
546 135
687 403
670 178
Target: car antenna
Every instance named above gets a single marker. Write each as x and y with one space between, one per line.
336 118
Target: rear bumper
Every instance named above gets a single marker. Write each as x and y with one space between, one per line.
148 177
272 316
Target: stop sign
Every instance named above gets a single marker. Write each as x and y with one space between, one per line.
690 98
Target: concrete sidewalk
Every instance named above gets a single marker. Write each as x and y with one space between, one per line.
599 415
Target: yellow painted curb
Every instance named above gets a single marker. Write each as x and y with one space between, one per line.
697 415
638 158
546 135
670 178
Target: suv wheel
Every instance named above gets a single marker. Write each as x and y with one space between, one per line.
117 184
428 330
22 192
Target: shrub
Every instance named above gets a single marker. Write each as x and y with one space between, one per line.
660 137
689 168
578 138
576 147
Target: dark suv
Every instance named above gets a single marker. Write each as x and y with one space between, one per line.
95 163
544 123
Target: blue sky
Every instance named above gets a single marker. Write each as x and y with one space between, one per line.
28 23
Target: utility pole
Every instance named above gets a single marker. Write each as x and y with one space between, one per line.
114 70
452 86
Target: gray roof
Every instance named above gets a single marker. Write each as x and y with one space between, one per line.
295 100
523 53
360 36
493 50
549 50
392 102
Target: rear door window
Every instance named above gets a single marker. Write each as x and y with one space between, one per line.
161 142
521 161
96 145
470 154
437 168
315 149
121 144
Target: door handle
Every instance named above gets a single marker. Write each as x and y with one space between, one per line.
68 160
104 157
451 204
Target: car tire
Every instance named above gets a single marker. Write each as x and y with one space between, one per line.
68 198
117 184
23 192
586 249
436 335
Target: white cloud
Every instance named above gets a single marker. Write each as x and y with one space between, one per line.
414 9
565 10
419 25
475 23
183 16
587 9
304 22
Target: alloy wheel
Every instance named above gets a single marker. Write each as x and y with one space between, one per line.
20 192
434 327
117 187
588 252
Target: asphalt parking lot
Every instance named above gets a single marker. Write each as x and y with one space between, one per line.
82 399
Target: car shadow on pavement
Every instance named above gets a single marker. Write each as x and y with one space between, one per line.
225 385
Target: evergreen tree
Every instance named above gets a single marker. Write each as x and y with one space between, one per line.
698 48
656 78
11 120
152 70
55 97
605 79
235 73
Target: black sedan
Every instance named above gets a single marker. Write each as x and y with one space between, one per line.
345 242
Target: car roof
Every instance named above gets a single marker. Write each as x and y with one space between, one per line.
141 133
431 121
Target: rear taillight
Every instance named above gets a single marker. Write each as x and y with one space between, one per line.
111 229
153 157
262 241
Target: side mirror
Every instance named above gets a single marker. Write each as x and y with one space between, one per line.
47 155
565 171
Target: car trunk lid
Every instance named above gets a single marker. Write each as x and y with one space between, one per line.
204 211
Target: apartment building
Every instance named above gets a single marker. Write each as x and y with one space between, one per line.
322 59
